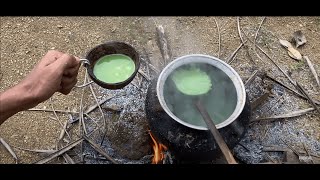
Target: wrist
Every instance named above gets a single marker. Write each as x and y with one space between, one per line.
15 99
27 97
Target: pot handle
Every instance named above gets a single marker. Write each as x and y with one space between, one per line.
85 62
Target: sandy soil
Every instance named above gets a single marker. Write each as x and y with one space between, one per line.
24 40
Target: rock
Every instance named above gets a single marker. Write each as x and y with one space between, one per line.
128 135
60 26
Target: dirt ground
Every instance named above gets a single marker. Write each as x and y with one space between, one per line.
24 40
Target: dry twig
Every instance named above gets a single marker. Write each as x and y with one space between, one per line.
59 152
314 72
102 114
255 40
147 62
282 149
37 150
260 100
251 78
230 58
219 36
62 126
48 110
144 75
305 148
308 97
239 31
100 150
292 90
288 115
163 45
9 149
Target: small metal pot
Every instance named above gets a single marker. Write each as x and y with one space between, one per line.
188 142
112 47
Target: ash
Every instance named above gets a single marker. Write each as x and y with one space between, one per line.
126 137
131 102
282 133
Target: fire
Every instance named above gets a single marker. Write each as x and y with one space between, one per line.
158 149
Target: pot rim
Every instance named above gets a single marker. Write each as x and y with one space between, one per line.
214 61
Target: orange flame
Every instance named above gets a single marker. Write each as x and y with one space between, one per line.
158 149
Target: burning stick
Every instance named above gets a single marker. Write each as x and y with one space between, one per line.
158 149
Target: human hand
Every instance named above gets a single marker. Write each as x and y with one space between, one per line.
56 72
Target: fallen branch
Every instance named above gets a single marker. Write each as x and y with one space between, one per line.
102 114
100 150
273 62
308 97
81 122
230 58
239 31
68 159
292 90
83 85
63 131
49 151
243 42
271 159
275 103
309 155
9 149
62 126
48 110
282 149
147 62
153 68
314 72
81 110
251 78
144 75
60 152
256 35
260 100
290 147
163 45
288 115
93 107
255 39
219 36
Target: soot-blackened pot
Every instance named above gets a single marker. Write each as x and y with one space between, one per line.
189 143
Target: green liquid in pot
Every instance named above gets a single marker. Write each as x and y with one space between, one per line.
114 68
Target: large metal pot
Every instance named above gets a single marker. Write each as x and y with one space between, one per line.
188 142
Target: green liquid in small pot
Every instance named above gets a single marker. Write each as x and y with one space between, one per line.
114 68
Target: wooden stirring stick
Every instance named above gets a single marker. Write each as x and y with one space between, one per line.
214 131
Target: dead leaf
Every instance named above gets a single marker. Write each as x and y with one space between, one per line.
295 54
299 38
285 43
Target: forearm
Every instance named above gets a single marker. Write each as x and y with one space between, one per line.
14 100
